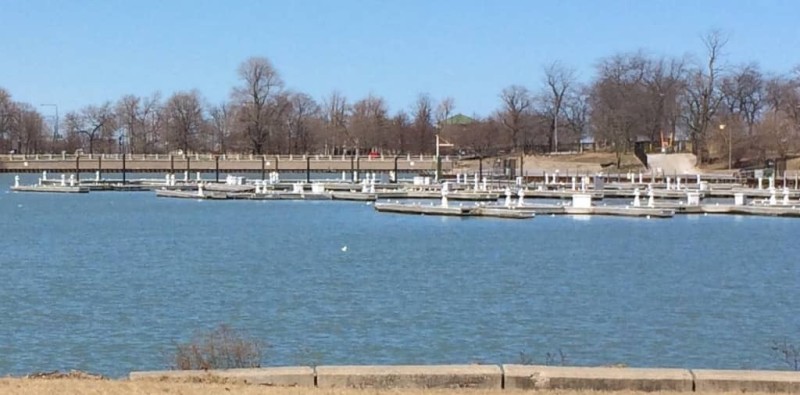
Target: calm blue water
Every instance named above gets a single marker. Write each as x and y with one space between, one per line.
108 282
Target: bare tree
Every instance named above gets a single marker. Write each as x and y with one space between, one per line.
92 128
400 131
368 123
8 113
129 114
27 129
576 113
258 101
183 114
516 102
617 105
558 81
664 81
303 110
743 93
221 122
335 114
702 94
444 111
422 124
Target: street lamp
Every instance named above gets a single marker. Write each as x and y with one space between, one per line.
55 127
730 145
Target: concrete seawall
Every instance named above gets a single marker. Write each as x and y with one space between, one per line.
511 377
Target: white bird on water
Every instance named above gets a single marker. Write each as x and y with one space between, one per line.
344 249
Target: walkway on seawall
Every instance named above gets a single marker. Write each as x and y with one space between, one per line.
210 163
499 377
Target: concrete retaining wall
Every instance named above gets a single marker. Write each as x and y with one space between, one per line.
511 377
597 379
437 376
746 381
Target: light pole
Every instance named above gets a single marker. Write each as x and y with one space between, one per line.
55 127
730 145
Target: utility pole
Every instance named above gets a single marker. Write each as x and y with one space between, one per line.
438 156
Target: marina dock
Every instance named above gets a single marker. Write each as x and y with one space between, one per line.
587 195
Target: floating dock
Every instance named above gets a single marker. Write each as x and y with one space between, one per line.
49 189
452 211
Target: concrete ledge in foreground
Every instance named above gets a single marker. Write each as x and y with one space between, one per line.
746 381
596 378
435 376
301 376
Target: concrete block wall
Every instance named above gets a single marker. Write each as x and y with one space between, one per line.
510 377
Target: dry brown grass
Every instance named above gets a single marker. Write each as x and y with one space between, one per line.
21 386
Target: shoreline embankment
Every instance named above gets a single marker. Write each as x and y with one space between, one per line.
496 377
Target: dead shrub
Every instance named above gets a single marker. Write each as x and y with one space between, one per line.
220 348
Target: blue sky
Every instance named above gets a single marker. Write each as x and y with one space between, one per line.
79 52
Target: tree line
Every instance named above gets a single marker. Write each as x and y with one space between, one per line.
722 111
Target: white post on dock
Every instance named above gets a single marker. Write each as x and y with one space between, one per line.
97 176
372 185
584 181
785 196
186 176
166 179
636 201
773 200
521 194
344 176
772 182
355 175
200 189
519 181
40 181
63 180
199 178
698 181
508 197
172 179
760 187
632 178
651 202
72 180
738 199
476 181
641 179
445 192
669 182
16 181
44 175
678 183
555 177
574 183
693 198
483 187
364 187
